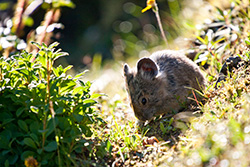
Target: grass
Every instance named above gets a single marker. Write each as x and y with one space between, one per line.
217 135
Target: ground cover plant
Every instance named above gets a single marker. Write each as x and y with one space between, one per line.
43 113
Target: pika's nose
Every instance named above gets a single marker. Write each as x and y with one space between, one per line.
142 117
140 114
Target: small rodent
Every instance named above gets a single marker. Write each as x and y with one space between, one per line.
162 83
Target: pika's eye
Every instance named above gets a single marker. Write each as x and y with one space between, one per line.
143 101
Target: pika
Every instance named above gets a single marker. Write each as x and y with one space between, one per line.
162 83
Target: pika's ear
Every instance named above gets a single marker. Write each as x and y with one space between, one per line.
147 68
127 74
126 69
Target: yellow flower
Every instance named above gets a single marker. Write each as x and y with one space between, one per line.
30 162
150 4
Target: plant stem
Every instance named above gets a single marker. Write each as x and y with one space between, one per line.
156 11
18 25
50 17
47 21
51 108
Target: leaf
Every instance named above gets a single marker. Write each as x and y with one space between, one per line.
12 159
34 137
247 42
82 83
79 148
54 44
56 70
78 117
108 146
26 154
42 59
5 152
52 146
171 121
34 127
4 141
66 3
89 101
86 130
202 40
43 131
29 142
36 44
79 75
67 85
59 110
39 151
23 125
203 63
220 11
51 126
8 120
67 68
34 109
162 128
54 87
58 55
219 40
44 45
63 123
24 71
78 90
96 95
6 163
63 3
88 84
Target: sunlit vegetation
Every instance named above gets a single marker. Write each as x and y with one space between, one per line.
54 115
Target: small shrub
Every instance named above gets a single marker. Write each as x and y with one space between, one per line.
45 113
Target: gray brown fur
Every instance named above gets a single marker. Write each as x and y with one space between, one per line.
161 84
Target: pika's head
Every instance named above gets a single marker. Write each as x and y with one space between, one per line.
143 86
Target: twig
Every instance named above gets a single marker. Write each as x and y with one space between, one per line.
151 4
156 11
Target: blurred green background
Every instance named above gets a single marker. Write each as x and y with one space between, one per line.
113 29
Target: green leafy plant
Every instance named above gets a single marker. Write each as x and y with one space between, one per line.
167 128
45 113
